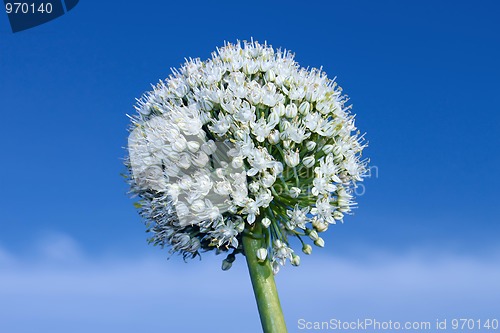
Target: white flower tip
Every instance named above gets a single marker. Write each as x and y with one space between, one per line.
319 242
266 222
307 249
261 254
313 234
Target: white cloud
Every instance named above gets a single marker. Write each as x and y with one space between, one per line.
123 295
58 247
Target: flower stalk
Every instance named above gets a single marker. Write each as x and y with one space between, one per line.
264 286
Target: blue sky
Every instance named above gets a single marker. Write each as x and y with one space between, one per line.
424 81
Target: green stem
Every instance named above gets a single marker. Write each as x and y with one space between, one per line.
264 287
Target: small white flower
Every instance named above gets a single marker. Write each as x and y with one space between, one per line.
266 222
319 225
274 137
273 119
310 145
294 192
260 129
269 95
313 235
245 112
309 161
279 109
311 121
295 260
268 179
270 76
261 254
193 146
292 158
319 242
291 110
304 107
222 188
297 217
307 249
264 198
252 210
322 185
221 126
323 210
254 187
260 160
327 149
277 167
295 133
338 215
180 144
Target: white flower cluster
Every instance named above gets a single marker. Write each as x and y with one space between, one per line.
245 137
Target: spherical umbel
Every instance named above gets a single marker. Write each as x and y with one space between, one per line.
246 137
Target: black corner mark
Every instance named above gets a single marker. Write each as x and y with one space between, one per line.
26 14
70 4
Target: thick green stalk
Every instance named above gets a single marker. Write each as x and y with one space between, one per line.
264 287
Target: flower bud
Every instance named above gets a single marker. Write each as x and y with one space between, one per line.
295 260
226 265
179 144
320 226
280 80
292 158
319 242
313 235
307 249
291 110
266 222
304 107
274 137
193 146
268 180
228 262
338 215
328 149
261 254
310 145
273 119
240 226
250 67
201 159
279 109
278 167
309 161
270 76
